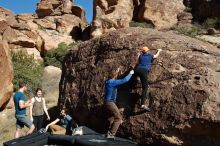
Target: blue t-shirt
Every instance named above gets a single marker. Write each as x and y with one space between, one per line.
64 121
111 88
17 97
145 61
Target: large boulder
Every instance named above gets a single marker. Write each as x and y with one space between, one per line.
81 13
7 16
68 23
50 84
6 86
54 7
184 93
111 15
162 14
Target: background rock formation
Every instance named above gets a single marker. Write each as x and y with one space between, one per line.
6 87
37 35
183 95
54 7
111 15
162 14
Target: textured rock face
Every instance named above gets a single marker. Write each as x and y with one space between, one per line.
184 93
111 15
205 8
6 87
162 14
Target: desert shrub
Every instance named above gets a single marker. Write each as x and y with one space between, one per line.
141 24
26 69
55 56
189 31
211 22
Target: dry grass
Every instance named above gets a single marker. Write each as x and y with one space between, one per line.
7 125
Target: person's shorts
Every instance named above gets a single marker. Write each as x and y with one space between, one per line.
23 120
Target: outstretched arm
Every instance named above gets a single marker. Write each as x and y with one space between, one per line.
125 79
158 53
52 123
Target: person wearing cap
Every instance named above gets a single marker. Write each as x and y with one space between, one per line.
142 69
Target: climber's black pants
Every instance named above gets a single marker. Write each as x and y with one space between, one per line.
142 73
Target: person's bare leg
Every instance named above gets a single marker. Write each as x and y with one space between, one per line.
17 133
31 129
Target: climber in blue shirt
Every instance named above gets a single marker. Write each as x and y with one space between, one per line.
111 85
141 70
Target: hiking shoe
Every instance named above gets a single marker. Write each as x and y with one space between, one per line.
109 135
144 107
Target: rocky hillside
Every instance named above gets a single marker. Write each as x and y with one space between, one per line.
55 22
110 15
44 31
184 87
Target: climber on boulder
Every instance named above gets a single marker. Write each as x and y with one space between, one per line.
111 85
142 69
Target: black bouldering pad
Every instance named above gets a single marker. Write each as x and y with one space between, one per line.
93 138
101 140
58 139
34 139
88 131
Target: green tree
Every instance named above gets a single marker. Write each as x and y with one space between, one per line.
55 56
26 69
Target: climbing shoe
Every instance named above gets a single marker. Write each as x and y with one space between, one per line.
109 135
144 107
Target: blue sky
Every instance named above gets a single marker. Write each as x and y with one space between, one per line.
29 6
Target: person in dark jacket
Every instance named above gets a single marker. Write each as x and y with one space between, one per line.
142 69
111 85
